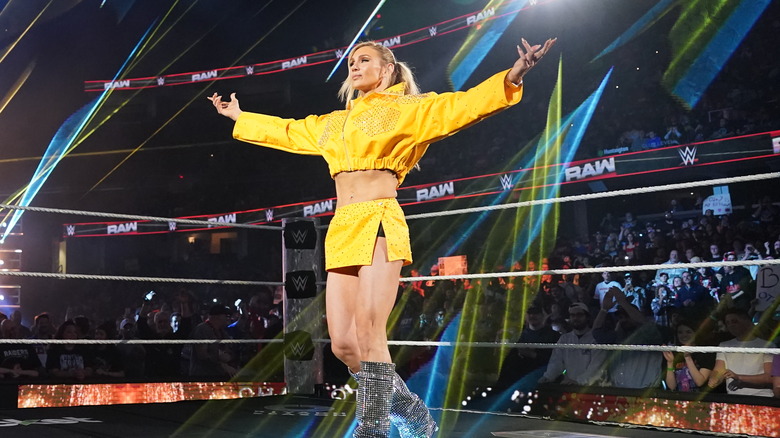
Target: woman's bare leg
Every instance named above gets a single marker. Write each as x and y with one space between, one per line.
340 302
358 303
378 285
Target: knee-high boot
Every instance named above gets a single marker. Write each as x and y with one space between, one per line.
408 413
373 399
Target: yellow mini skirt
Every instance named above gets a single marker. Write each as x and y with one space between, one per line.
353 231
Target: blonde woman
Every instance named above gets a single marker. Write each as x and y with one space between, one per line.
370 147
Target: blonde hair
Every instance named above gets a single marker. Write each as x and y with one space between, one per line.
401 73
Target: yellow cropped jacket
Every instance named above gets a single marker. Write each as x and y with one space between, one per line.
382 130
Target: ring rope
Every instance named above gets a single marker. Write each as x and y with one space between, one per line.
619 347
130 278
595 270
403 279
138 341
140 218
613 193
609 194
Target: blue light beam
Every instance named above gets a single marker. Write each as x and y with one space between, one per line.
62 143
360 32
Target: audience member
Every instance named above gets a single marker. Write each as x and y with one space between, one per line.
705 276
164 360
43 327
715 255
661 305
107 360
577 366
70 361
522 361
555 304
687 372
737 283
674 258
212 360
693 298
133 355
674 289
744 373
17 360
24 332
603 287
629 368
635 294
661 280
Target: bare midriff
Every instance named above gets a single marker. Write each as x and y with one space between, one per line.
364 185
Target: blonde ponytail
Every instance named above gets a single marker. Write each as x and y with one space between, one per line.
401 72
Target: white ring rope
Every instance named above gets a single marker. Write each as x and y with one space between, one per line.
142 279
610 194
615 193
597 270
404 279
140 218
617 347
138 341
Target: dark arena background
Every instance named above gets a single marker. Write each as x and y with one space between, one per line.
649 135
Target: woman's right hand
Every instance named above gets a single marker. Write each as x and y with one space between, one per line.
228 109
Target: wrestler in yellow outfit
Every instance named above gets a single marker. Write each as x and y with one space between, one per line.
382 130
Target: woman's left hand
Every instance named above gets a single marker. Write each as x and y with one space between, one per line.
528 59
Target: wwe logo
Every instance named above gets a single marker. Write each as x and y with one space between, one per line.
171 226
70 230
299 236
298 348
300 282
432 31
339 53
250 70
506 182
160 81
269 215
688 155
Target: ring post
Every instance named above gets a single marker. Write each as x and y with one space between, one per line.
303 304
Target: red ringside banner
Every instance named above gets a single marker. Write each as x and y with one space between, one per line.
310 59
678 157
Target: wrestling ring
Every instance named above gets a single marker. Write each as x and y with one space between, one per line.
306 404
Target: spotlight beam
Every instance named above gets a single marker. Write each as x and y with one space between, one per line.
186 105
12 45
357 35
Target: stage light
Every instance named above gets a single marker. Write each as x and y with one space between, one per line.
2 297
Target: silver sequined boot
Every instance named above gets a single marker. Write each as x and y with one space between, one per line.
373 399
408 413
